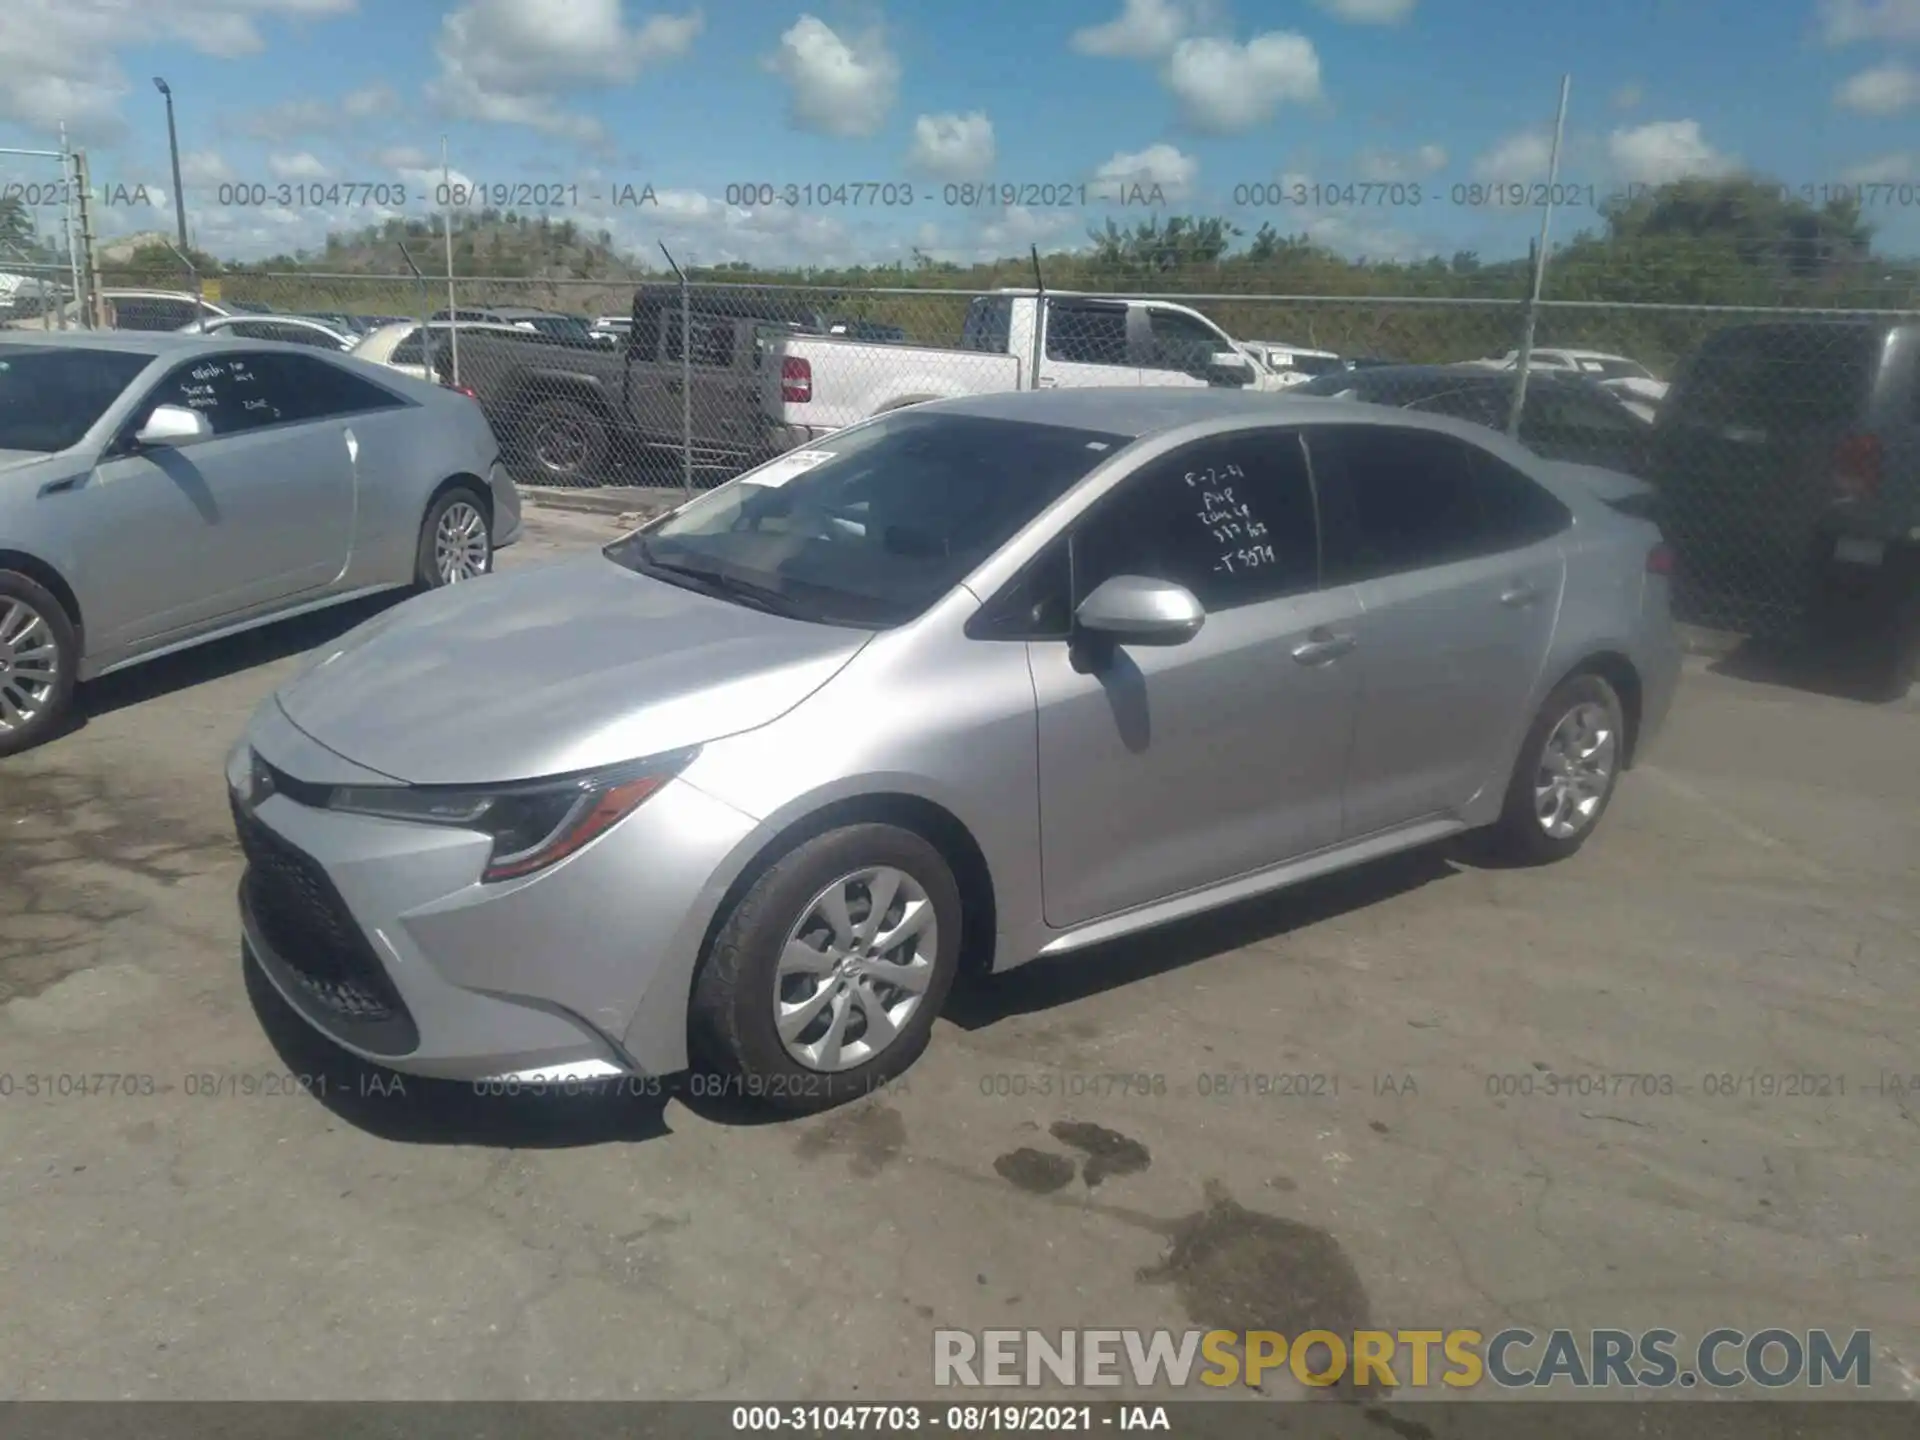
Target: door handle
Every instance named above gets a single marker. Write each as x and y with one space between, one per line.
1322 646
1516 597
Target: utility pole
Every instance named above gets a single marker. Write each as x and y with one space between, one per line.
173 146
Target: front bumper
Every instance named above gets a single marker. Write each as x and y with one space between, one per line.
379 934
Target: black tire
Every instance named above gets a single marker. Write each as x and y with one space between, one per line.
562 442
732 1022
1521 835
428 573
25 649
1892 662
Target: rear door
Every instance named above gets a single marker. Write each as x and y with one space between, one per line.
1743 453
1086 345
1456 560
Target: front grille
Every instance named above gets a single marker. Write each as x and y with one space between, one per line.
306 923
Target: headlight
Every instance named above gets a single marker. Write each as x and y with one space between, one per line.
532 825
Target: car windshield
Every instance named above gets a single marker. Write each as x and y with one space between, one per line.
1315 364
870 526
51 396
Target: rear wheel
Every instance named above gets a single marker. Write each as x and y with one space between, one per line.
456 543
39 660
825 979
563 442
1566 773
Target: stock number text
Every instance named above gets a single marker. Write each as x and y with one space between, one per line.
331 194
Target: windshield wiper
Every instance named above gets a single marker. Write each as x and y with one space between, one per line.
721 584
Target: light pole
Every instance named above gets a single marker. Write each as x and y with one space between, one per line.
173 147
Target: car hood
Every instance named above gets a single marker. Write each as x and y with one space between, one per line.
548 671
21 459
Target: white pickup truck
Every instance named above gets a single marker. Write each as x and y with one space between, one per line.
1011 340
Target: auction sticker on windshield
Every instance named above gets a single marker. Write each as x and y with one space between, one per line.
776 473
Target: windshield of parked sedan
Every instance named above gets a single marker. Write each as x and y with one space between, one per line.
51 396
872 525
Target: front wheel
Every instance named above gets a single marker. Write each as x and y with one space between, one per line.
824 981
456 543
1566 773
39 657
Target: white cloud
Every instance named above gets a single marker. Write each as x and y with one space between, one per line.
509 62
302 119
1161 165
59 59
204 167
953 147
1881 170
1665 150
1518 158
403 157
1847 21
1629 96
837 87
1143 30
1224 86
1884 90
1384 165
301 166
1369 12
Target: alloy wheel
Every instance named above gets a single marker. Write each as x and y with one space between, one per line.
29 664
560 446
1576 769
855 969
460 543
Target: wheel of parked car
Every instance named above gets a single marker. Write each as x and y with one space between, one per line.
456 542
563 442
38 657
825 979
1566 772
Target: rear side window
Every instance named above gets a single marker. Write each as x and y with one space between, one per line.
143 312
1401 500
315 390
1768 375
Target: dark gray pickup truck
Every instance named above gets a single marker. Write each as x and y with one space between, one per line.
570 412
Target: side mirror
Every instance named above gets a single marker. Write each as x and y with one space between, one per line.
1136 610
173 426
1229 367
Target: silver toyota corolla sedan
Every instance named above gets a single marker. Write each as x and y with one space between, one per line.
161 490
970 683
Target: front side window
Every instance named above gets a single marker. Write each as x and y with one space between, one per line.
236 392
708 342
872 525
1183 342
50 396
1231 520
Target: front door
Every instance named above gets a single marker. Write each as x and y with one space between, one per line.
1166 769
1457 563
257 514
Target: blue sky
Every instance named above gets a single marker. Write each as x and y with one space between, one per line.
1183 101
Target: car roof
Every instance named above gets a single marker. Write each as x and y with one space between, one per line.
1137 413
139 342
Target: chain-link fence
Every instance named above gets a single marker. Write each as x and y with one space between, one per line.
40 226
1760 429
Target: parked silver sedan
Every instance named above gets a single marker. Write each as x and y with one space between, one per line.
158 490
970 683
